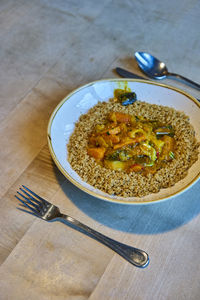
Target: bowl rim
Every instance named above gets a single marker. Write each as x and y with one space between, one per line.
77 184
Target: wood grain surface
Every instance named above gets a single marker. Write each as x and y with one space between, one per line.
47 49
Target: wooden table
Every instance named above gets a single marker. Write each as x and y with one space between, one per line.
48 48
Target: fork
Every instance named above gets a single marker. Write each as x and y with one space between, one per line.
45 210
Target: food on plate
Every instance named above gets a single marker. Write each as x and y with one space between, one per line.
132 150
131 143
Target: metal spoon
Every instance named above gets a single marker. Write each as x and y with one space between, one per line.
156 69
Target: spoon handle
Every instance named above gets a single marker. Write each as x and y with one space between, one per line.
192 83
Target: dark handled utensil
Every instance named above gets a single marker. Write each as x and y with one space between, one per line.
127 74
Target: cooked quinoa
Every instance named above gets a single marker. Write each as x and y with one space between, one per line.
133 184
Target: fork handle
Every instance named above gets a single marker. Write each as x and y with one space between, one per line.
137 257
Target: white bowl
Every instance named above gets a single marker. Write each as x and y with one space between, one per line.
68 111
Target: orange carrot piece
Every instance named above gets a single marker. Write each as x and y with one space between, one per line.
119 117
139 139
97 152
122 118
135 168
114 139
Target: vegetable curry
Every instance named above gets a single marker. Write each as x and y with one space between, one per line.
131 143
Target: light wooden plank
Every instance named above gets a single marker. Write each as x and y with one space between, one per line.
67 263
173 272
41 175
34 37
23 133
48 48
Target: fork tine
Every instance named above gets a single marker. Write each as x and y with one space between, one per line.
28 200
34 194
27 205
30 196
27 211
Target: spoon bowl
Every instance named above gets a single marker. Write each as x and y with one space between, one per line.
157 69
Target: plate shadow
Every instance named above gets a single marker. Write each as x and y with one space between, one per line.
139 219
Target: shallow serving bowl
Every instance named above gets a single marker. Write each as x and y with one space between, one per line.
68 111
